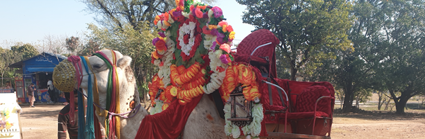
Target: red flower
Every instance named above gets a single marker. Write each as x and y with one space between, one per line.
186 38
220 69
205 30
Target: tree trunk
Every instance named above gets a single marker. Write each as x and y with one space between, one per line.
401 104
386 104
349 96
293 73
357 102
379 100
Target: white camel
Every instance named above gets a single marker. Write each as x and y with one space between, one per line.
199 124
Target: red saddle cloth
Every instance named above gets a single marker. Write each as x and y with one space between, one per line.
169 123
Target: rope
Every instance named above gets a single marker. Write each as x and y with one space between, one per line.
117 91
112 93
112 105
75 60
89 129
81 121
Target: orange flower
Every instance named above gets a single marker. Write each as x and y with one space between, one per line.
246 93
181 69
232 35
166 19
245 74
165 106
212 27
202 7
224 28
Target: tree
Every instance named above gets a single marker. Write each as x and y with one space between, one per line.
53 44
26 51
404 35
305 28
114 14
17 53
73 44
90 48
136 44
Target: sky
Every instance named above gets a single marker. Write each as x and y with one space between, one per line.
30 21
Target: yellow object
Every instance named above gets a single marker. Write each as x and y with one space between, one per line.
64 76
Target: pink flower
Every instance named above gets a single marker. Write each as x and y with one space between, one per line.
217 11
213 45
223 59
225 47
199 13
221 23
161 34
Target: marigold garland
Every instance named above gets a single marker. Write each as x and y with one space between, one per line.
244 75
182 78
154 86
217 71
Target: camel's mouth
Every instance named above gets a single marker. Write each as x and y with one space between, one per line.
64 76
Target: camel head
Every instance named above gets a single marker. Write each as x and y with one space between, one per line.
96 72
127 82
97 67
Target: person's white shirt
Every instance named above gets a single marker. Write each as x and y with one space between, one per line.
50 84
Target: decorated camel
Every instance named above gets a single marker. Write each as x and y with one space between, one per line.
98 69
202 89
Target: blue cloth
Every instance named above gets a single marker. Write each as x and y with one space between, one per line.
89 129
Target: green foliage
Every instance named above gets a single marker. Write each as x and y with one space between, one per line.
387 37
403 35
16 54
306 29
26 50
89 48
135 43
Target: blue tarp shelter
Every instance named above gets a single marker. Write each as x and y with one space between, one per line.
38 70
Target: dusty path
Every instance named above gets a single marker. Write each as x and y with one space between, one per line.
361 128
41 123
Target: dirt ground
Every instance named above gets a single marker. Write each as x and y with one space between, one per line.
41 123
378 126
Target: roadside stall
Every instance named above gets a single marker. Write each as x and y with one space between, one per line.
37 70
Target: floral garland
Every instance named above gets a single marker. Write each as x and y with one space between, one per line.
154 86
188 70
164 70
244 75
189 38
157 108
241 74
216 36
253 129
187 83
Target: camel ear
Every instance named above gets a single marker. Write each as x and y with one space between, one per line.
124 61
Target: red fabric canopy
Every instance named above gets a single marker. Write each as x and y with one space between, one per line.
169 123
